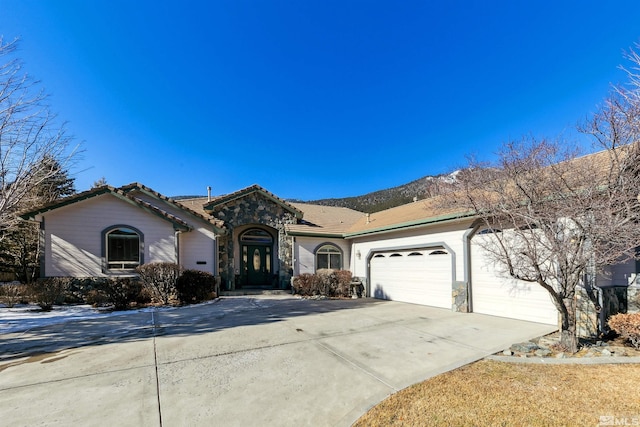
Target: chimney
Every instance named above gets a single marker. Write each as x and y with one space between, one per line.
208 193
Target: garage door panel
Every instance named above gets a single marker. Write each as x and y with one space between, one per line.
494 294
412 276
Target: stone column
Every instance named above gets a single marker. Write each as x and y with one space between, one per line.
633 298
460 297
586 315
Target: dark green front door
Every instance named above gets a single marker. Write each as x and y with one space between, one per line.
257 264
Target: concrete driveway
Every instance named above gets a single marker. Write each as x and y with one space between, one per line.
240 361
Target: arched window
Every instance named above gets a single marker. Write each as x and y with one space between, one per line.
122 248
490 231
438 252
328 256
256 236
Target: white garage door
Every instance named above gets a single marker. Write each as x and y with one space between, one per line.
493 293
415 276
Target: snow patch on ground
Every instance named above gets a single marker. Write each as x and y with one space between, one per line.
23 317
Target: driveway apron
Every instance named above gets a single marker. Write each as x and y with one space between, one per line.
267 360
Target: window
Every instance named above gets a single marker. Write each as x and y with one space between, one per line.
415 254
122 248
438 252
328 256
490 231
256 236
395 255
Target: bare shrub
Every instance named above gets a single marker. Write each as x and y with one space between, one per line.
50 291
323 282
79 288
12 293
303 284
343 283
97 298
195 286
121 291
159 280
628 326
326 282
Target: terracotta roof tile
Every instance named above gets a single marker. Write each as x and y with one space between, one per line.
414 213
326 220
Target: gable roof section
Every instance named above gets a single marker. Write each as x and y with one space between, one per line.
124 194
434 210
78 197
252 189
182 206
195 204
319 220
416 214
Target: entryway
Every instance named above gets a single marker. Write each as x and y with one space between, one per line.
256 262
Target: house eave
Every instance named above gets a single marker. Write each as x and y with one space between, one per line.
312 234
426 222
31 215
154 194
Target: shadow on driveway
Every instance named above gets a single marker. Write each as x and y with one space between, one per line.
224 313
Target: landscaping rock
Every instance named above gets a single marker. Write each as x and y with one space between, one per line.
618 351
507 353
545 342
605 352
560 356
542 352
524 347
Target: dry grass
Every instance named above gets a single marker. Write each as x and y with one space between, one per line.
490 393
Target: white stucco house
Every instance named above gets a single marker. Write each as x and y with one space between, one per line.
416 253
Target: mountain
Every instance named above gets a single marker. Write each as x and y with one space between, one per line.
427 186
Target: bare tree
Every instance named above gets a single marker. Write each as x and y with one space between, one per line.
99 182
556 218
29 137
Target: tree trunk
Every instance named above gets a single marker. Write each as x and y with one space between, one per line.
568 336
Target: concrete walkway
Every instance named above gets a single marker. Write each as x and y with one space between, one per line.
241 361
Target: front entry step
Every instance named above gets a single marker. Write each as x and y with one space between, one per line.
240 292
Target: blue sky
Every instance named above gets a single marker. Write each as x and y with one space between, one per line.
312 99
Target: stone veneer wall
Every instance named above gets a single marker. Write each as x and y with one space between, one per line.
615 299
633 298
460 297
586 315
254 208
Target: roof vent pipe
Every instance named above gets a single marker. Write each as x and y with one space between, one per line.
208 193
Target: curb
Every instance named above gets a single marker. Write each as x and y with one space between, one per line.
606 360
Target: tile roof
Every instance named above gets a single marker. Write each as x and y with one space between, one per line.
436 209
248 190
198 212
314 219
195 204
324 220
422 212
127 193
